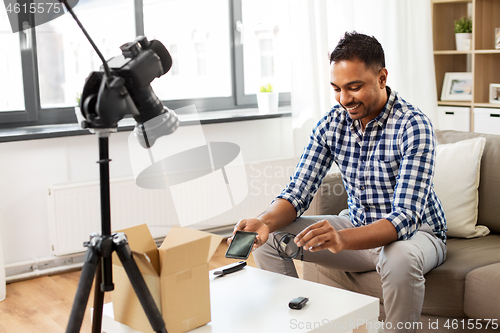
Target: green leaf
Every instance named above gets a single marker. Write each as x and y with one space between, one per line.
463 25
266 88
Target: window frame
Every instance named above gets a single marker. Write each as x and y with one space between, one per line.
34 115
237 48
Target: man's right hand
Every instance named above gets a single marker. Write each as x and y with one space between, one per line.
252 224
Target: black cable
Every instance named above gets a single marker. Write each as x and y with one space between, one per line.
104 63
281 241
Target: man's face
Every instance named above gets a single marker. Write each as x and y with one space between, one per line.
359 89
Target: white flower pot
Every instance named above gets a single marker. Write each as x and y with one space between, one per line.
267 102
79 116
463 41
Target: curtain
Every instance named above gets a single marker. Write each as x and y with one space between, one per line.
310 67
404 29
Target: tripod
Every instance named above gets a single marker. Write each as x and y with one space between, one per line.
98 260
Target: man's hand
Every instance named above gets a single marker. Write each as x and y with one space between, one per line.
320 236
280 214
255 225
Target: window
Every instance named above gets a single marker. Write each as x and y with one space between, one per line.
266 45
222 51
262 47
201 33
11 84
65 57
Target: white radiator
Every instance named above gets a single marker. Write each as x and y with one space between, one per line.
75 213
74 208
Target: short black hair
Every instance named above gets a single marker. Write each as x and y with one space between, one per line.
361 47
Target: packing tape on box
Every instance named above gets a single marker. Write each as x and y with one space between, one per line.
184 276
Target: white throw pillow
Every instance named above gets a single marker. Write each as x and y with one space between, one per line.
456 181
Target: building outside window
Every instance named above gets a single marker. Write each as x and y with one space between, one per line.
11 84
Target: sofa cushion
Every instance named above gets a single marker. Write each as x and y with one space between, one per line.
489 193
482 289
456 181
444 286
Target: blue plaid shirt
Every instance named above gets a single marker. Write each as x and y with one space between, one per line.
387 170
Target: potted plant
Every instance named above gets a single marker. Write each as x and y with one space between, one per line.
463 33
267 99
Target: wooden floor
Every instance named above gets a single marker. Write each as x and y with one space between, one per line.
43 304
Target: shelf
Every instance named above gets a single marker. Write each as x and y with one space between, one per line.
451 1
446 52
487 105
448 63
487 51
487 14
483 60
486 71
469 104
444 13
453 103
452 52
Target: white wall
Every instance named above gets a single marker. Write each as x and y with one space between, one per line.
29 168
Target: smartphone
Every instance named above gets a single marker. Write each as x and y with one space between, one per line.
241 246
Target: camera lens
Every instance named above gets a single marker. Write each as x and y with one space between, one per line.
148 104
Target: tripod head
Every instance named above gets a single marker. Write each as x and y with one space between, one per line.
122 85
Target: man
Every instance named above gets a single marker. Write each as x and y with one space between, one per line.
385 150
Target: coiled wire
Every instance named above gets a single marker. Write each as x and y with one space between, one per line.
282 241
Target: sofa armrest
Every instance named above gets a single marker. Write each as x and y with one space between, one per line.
331 197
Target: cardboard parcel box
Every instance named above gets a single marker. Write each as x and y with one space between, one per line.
176 275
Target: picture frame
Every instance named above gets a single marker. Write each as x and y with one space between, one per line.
494 93
457 86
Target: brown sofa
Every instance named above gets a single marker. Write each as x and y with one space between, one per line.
466 286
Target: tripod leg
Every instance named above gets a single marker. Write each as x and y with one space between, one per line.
138 283
98 300
83 290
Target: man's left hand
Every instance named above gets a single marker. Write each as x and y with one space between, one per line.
320 236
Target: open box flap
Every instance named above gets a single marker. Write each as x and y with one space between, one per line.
185 248
140 238
214 244
178 236
141 243
145 264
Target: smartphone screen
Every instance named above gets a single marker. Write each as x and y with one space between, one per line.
241 246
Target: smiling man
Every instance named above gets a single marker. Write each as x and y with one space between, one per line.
385 150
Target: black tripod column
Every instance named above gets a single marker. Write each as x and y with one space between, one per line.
107 272
104 272
98 260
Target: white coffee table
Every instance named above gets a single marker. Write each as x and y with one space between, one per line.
253 300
